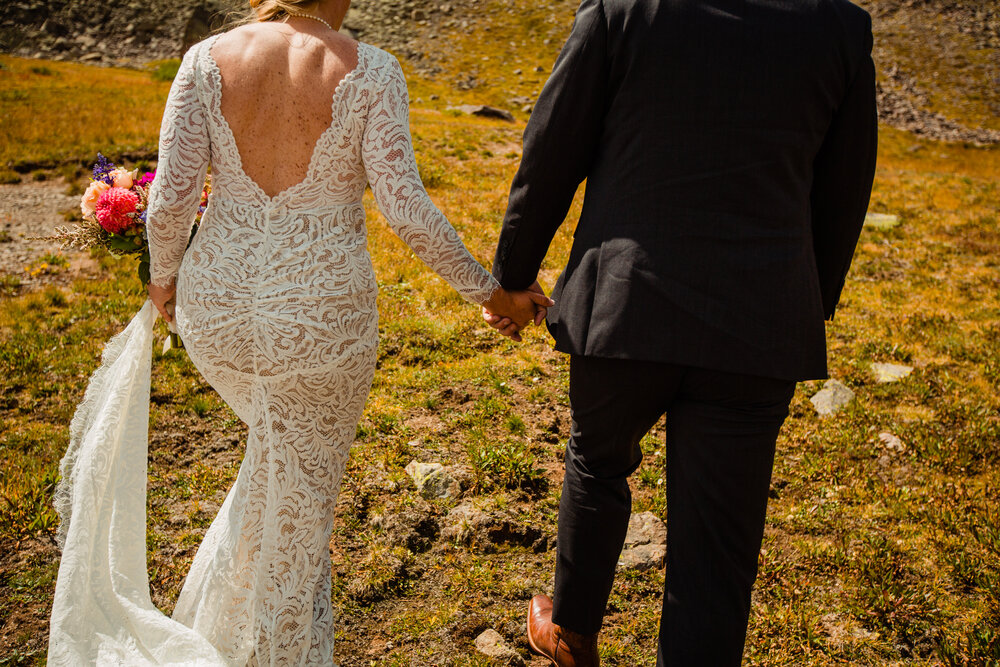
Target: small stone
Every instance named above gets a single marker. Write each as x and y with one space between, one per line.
53 27
832 398
486 530
492 645
891 442
890 372
645 543
354 19
413 528
433 480
484 111
881 221
464 522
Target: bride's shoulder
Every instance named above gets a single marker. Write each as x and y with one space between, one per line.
246 39
379 63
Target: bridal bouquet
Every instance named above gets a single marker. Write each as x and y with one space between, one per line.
114 214
114 218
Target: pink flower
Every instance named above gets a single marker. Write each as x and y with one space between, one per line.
94 191
114 207
121 178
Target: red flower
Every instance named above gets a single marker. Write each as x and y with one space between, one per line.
113 209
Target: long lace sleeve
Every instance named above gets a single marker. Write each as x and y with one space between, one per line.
175 193
391 167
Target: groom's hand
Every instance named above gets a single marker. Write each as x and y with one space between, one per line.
540 311
525 301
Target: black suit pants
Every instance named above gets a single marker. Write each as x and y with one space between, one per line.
721 431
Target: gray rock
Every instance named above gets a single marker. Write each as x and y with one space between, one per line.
891 442
832 398
484 111
645 543
53 27
413 528
433 480
464 522
881 221
354 20
469 525
890 372
492 645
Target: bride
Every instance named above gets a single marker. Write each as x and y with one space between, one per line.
275 301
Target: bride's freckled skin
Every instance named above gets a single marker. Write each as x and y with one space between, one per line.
280 102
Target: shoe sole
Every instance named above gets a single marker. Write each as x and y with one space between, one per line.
531 641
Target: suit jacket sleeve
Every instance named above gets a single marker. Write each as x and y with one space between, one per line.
560 143
843 173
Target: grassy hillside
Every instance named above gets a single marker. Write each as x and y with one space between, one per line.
875 553
55 113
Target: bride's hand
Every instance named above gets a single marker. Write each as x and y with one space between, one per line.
163 300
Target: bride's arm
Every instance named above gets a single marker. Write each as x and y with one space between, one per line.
175 194
389 161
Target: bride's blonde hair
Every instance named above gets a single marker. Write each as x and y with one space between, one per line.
276 10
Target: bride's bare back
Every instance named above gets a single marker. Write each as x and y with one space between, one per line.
277 89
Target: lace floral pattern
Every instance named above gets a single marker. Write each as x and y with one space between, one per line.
276 304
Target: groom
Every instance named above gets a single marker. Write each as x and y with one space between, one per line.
729 149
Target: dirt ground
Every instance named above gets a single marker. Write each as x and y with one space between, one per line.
35 209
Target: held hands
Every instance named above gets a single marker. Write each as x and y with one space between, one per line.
509 312
163 299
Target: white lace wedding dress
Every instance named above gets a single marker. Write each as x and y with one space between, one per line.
276 306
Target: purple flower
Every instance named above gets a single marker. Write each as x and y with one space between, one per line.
103 169
147 178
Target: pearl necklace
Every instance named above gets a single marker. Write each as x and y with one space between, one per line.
314 18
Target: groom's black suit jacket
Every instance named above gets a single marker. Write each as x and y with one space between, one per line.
729 150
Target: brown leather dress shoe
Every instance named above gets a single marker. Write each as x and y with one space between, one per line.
563 647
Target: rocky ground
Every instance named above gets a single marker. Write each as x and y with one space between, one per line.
921 45
899 105
133 33
118 33
31 210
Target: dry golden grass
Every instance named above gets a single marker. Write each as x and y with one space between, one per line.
54 112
